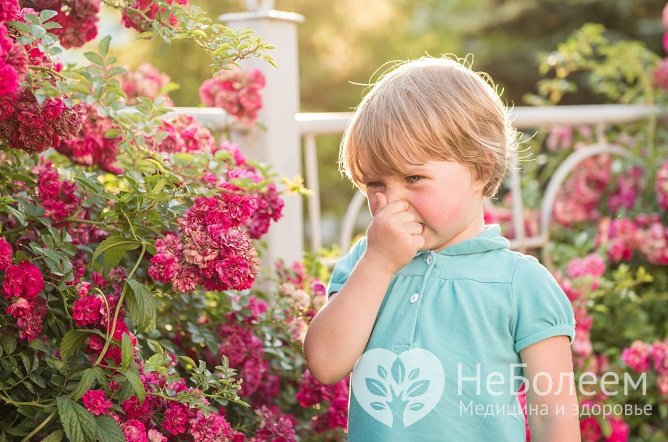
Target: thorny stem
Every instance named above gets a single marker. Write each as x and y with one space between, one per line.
37 429
112 329
134 235
47 70
15 230
9 401
84 221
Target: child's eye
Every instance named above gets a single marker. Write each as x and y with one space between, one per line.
413 178
374 184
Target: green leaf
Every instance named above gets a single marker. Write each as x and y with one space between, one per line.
31 18
114 248
188 361
27 362
19 216
38 380
94 58
78 423
38 31
136 383
116 70
87 381
159 185
21 26
10 364
72 341
155 362
8 344
112 133
127 351
108 430
104 45
46 15
56 436
39 345
93 185
141 306
46 252
51 25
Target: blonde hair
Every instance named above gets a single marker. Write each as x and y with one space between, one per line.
429 109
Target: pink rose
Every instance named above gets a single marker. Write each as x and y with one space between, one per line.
23 280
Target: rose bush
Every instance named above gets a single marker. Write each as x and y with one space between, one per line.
127 247
609 232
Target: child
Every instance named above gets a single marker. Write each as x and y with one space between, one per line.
431 311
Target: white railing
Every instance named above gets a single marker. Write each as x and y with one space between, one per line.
312 125
278 144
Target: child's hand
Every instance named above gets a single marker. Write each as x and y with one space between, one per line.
394 236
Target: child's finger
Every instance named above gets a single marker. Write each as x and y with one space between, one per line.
418 241
415 228
381 202
396 206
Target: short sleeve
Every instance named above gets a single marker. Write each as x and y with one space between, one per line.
345 266
542 309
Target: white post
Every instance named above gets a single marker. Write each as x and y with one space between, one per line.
278 143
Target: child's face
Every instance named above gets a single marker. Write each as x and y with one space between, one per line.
445 196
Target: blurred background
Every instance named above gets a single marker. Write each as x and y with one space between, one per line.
344 41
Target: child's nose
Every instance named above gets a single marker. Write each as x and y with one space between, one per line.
394 194
399 194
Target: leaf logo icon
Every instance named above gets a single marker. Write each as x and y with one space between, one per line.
398 390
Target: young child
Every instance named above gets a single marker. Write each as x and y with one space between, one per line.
437 319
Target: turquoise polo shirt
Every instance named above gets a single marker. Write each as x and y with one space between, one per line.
442 362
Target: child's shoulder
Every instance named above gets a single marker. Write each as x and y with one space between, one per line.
526 265
512 266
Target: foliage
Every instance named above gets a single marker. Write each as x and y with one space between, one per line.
127 253
609 229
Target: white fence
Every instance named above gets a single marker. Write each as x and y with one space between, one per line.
312 125
600 116
280 143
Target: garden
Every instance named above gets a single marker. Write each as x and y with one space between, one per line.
135 303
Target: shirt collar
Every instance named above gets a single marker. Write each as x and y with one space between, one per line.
489 239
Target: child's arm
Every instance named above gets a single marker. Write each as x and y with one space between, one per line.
548 364
338 334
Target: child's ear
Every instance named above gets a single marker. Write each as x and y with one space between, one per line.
479 185
481 181
478 182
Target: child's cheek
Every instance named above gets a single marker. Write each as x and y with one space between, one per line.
435 211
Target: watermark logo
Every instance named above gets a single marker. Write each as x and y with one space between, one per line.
487 410
398 390
544 384
588 384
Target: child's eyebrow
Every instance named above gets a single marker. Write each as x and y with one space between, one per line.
416 168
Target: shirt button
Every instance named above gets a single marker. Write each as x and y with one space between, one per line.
414 297
430 259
